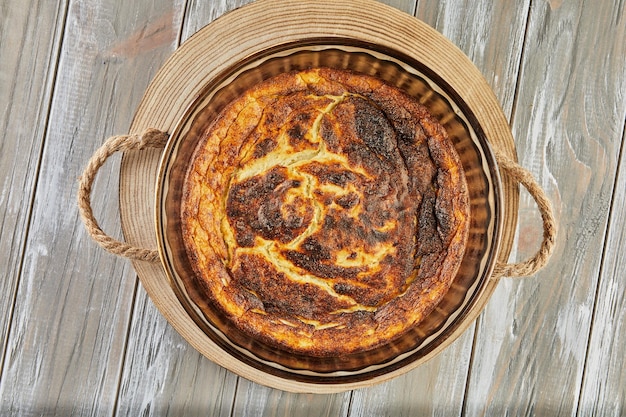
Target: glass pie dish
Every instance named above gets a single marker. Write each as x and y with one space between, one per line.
480 170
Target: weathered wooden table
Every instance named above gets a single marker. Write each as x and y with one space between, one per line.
79 336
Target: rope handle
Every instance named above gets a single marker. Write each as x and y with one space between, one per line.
153 138
150 138
539 259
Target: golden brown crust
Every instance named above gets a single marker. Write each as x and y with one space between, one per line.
325 212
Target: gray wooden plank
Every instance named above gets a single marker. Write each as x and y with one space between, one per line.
603 389
255 400
433 389
491 34
407 6
568 123
71 316
30 38
165 376
201 13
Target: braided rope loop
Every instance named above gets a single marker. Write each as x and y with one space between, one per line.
150 138
539 259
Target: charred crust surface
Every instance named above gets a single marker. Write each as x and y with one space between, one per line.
325 211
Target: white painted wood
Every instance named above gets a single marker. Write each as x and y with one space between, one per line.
490 33
407 6
568 123
164 376
604 383
69 327
201 13
29 53
256 400
436 388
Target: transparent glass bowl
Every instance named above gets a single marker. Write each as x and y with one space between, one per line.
450 317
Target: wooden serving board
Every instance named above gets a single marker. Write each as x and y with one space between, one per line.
254 28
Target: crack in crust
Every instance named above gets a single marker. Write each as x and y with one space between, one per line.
325 211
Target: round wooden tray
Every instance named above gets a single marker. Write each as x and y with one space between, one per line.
254 28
